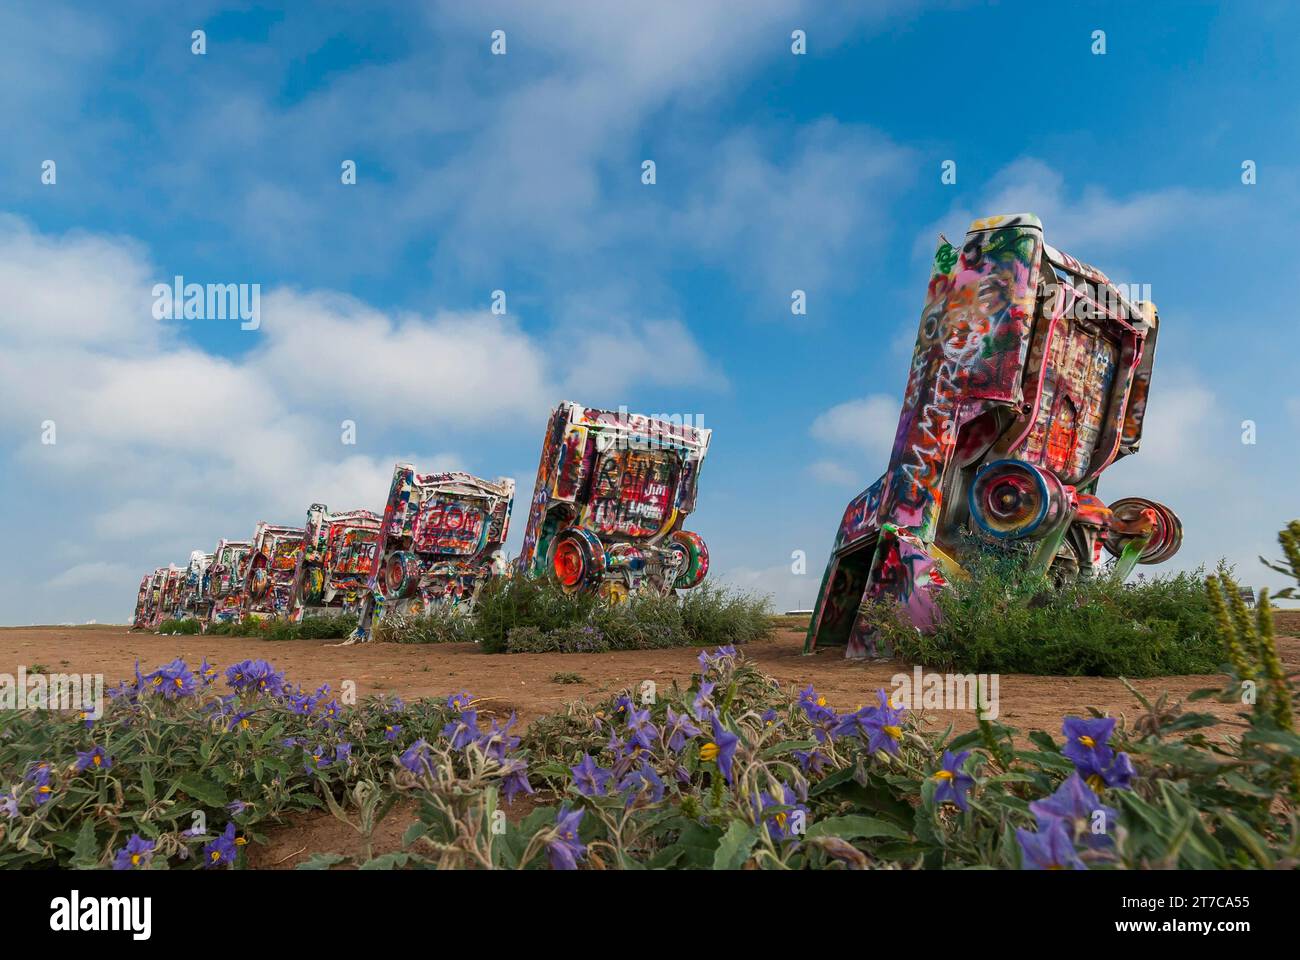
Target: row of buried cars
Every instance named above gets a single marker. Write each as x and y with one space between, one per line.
612 493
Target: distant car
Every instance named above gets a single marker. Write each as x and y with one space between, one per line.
225 580
339 554
1029 378
143 602
270 571
612 493
192 602
441 541
163 594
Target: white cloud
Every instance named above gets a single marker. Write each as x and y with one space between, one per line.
162 447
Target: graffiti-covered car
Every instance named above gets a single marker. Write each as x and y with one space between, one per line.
338 556
270 570
441 541
613 491
1029 377
162 601
226 580
143 602
193 601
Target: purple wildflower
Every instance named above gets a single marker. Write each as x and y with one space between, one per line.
722 749
173 680
418 758
564 850
223 849
589 778
953 781
1049 849
679 729
95 757
1078 807
137 853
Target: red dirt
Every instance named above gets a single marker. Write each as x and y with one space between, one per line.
523 683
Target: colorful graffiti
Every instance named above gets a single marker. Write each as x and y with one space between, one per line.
1029 377
270 571
339 554
441 540
226 579
613 490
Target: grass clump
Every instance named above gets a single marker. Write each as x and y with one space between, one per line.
1005 619
524 615
180 627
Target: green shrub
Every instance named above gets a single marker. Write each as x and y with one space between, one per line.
523 615
436 625
183 627
1003 619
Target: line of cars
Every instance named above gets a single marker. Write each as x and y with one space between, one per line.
613 491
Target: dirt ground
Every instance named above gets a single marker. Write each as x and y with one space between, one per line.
527 684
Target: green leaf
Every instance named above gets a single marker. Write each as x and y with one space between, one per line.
854 827
322 861
85 852
204 791
735 846
387 861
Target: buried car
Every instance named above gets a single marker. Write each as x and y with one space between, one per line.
334 566
613 490
1029 378
193 602
441 540
225 580
271 570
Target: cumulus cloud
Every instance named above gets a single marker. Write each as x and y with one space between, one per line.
160 447
863 431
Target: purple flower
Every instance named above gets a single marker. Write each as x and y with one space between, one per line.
1079 809
953 782
236 807
418 758
257 676
8 805
317 757
812 761
781 825
642 732
1049 849
679 730
1086 742
460 701
172 680
885 727
39 775
391 730
343 754
137 853
564 849
588 778
814 706
1087 746
640 781
722 656
240 720
702 700
207 673
223 849
516 779
95 757
721 749
462 732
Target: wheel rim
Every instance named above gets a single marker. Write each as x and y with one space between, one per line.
569 564
1009 499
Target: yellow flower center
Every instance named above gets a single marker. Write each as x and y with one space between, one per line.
1087 741
135 859
244 724
893 731
1097 783
157 681
943 775
821 701
97 760
709 751
780 820
178 682
216 855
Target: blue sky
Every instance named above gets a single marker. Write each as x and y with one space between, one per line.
523 173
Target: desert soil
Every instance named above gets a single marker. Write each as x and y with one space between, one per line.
525 684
